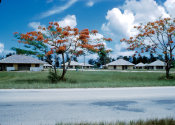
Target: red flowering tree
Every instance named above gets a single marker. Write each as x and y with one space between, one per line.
156 37
64 40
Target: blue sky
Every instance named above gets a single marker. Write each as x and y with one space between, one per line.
112 18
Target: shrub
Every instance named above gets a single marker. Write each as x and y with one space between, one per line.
53 77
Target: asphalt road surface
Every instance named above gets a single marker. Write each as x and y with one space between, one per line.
49 106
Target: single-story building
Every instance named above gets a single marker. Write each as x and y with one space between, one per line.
156 65
86 66
47 66
146 65
120 64
140 66
74 65
21 62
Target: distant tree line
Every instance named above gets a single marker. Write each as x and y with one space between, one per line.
104 59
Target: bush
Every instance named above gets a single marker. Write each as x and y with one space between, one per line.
54 78
163 77
105 67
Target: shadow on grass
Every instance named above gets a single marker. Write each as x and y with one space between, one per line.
163 77
30 81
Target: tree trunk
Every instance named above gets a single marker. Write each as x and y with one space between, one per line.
168 65
64 67
167 72
55 68
63 73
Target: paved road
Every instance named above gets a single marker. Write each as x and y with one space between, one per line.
36 107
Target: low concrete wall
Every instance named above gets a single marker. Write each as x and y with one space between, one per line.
10 68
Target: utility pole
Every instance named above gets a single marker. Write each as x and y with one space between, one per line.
84 59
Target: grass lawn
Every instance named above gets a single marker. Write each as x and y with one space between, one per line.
166 121
84 79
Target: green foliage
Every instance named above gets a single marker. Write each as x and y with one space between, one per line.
53 77
36 48
78 67
91 61
85 79
49 59
163 77
23 51
75 59
103 57
173 63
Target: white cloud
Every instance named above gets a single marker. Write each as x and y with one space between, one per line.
1 47
119 25
97 36
58 9
34 25
145 10
124 53
120 21
90 3
121 46
69 20
120 50
170 6
87 57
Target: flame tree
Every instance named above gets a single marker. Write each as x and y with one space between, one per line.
155 37
64 40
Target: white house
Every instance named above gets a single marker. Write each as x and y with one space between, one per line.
47 66
86 66
74 65
140 66
120 64
21 62
156 65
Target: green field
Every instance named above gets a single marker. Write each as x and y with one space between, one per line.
84 79
166 121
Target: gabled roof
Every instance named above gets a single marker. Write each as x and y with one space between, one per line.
140 65
120 62
73 63
47 64
157 63
86 64
21 59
